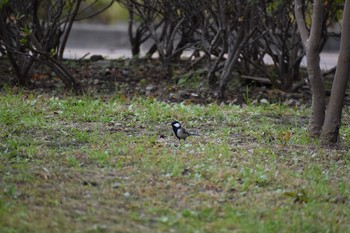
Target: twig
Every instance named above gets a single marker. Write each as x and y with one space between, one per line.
330 71
85 55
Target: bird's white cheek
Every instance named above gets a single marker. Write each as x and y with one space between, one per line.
177 125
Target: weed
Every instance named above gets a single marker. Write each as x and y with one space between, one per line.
91 164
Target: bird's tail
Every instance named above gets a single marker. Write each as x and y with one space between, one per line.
194 134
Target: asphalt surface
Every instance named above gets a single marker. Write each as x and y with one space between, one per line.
113 42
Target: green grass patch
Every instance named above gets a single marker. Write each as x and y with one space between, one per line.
93 164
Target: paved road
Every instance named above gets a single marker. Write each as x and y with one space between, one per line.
110 41
113 42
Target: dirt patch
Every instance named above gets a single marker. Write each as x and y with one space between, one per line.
147 77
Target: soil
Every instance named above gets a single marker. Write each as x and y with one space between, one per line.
131 78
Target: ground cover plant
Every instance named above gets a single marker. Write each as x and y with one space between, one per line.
109 163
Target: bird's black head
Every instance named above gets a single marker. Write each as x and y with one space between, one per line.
176 125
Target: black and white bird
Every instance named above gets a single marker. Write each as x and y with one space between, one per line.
180 132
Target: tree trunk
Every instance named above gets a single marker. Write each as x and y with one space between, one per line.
330 130
312 44
134 39
235 45
21 65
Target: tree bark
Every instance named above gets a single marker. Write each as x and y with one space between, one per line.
312 44
330 130
235 45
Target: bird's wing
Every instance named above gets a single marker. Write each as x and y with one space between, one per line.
189 134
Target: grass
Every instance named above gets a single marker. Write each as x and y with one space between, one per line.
109 164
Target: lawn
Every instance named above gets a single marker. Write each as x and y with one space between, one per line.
107 163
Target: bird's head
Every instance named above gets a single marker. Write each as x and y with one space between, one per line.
176 125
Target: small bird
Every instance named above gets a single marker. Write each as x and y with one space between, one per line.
179 132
